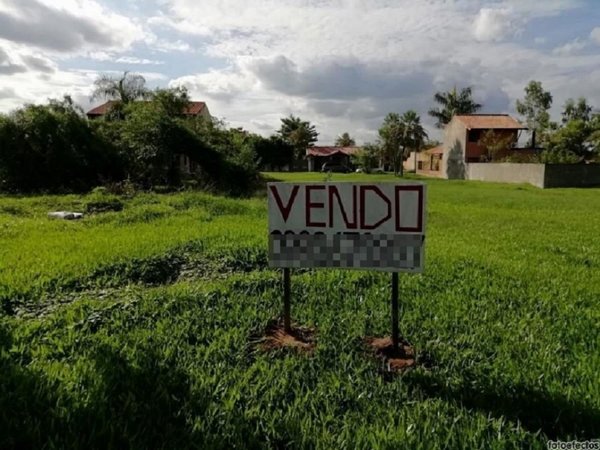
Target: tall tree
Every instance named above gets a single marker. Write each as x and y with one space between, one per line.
534 108
393 140
451 103
414 135
125 89
577 139
273 152
299 133
579 110
344 141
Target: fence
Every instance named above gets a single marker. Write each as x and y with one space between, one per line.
540 175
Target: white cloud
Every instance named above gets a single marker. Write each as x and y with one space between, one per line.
346 63
65 26
570 48
163 45
342 64
32 87
595 35
494 24
136 60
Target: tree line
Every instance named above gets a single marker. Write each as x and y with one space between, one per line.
54 148
141 139
576 138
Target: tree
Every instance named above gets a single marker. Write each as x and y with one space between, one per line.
299 133
534 108
273 152
453 102
579 110
576 140
399 135
344 141
125 89
54 148
366 158
173 101
494 143
393 140
414 132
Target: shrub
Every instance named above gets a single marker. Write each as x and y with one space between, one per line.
52 148
100 201
559 157
114 205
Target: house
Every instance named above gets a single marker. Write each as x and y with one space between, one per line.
194 109
462 145
339 156
429 162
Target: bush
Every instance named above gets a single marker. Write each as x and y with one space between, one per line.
114 205
123 188
559 157
100 201
52 148
522 158
366 158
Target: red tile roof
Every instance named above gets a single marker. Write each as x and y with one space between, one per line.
102 109
490 121
193 109
328 151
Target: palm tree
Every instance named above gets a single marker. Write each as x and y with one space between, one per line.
414 134
125 89
299 133
452 103
345 141
392 135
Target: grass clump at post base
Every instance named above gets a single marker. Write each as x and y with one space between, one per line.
133 328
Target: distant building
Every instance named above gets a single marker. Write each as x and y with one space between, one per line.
429 162
194 109
336 156
462 145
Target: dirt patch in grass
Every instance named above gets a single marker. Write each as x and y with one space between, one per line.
275 337
394 360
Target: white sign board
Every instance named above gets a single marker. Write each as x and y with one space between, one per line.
377 226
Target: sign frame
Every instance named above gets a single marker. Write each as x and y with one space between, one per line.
347 225
360 188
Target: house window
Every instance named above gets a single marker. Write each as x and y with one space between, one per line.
474 135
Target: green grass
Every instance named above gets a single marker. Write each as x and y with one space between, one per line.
133 329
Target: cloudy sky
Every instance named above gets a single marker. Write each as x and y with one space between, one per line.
342 64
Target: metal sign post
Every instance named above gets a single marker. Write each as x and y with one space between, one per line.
395 329
286 300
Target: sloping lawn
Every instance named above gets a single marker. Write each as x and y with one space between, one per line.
135 329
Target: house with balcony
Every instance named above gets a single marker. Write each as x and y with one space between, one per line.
462 145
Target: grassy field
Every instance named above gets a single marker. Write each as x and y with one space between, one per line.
134 329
